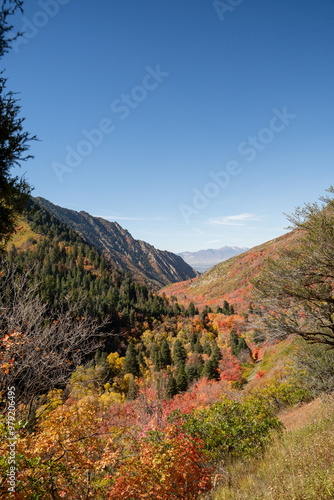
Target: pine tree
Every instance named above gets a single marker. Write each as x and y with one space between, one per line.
141 360
216 355
198 348
14 143
171 389
131 364
191 310
192 374
200 366
193 340
242 346
234 340
155 355
204 317
179 353
132 390
210 371
166 357
207 349
181 379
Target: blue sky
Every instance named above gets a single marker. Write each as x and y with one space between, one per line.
193 123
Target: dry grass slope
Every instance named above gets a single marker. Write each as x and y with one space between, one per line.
23 236
230 280
298 466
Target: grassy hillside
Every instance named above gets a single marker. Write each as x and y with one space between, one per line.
230 280
24 236
298 466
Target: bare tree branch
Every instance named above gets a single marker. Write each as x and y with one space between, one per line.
296 290
39 350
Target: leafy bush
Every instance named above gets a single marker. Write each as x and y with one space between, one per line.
298 465
169 468
232 428
285 387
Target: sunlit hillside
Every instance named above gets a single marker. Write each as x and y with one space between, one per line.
230 280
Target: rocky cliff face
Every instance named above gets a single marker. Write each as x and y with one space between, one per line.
146 263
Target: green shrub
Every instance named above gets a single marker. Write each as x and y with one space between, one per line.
298 465
232 428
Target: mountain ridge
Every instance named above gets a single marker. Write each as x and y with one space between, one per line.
148 264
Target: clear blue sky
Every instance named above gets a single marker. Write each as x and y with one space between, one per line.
213 121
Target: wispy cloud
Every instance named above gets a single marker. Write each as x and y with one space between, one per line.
213 242
197 230
118 217
234 220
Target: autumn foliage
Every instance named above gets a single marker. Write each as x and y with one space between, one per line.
169 467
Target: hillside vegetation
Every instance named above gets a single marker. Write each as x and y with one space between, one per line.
298 465
230 279
148 265
121 393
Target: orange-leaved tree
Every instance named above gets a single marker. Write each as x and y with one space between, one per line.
169 467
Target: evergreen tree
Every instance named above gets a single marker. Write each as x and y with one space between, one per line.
141 360
171 389
176 309
234 341
181 379
210 371
226 308
179 353
200 366
216 355
192 373
242 345
14 141
207 349
166 357
191 310
131 364
193 340
155 356
198 348
7 37
133 390
204 317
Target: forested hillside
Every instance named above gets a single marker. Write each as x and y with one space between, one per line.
124 373
122 393
66 268
147 264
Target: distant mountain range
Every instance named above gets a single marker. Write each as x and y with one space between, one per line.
147 264
205 259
